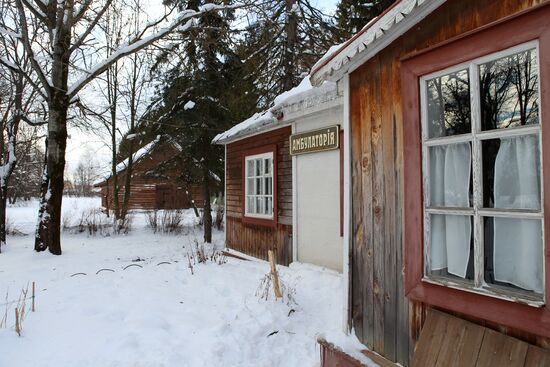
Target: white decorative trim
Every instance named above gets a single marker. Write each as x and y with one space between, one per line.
268 155
225 196
294 203
347 201
380 34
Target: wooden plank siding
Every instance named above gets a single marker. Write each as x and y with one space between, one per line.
154 191
254 239
448 341
381 315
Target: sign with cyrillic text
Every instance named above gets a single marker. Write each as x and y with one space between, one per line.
315 141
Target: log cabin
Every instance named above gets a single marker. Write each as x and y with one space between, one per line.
446 172
150 188
283 179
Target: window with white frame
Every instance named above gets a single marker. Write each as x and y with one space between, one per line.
482 178
259 186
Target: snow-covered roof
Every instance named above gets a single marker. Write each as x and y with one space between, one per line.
252 124
300 100
140 153
374 37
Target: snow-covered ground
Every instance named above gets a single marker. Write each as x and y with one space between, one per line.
158 313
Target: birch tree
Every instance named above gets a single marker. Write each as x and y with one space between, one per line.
57 37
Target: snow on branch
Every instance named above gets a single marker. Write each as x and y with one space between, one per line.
10 65
7 168
90 27
9 33
184 22
28 48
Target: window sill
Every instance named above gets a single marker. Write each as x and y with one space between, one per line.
265 222
516 297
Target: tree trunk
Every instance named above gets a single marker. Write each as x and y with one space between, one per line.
133 116
49 227
3 200
291 30
44 184
9 158
207 212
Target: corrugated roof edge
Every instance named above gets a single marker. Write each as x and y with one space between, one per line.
374 37
274 118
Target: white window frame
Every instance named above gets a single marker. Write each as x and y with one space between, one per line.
477 211
247 195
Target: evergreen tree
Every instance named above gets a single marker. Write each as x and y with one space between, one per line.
282 43
202 95
353 15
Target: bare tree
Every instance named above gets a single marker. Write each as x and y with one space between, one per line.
85 174
57 39
137 78
24 182
16 99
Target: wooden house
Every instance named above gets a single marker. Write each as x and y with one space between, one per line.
151 189
283 179
447 175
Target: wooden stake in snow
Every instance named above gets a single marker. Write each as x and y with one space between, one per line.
17 324
33 286
274 275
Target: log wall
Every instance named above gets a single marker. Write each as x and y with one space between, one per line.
381 315
254 239
154 191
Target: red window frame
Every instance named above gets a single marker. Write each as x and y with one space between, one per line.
523 27
272 148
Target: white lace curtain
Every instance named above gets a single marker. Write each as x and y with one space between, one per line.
449 187
518 255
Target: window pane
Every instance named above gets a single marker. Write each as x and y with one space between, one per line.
511 173
259 187
267 166
259 167
509 91
269 205
260 205
251 205
250 168
513 253
451 245
450 175
250 186
267 183
448 102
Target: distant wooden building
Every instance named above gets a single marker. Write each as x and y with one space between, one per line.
283 179
149 188
447 127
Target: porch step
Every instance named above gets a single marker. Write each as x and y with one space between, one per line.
333 356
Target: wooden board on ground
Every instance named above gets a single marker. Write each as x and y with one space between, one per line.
452 342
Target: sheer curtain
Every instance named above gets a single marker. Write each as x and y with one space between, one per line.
449 187
518 242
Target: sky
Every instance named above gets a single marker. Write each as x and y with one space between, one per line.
88 145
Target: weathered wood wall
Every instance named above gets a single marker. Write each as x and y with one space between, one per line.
381 315
153 191
150 195
253 239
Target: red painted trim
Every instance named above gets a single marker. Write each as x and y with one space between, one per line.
524 27
348 42
272 148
